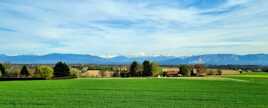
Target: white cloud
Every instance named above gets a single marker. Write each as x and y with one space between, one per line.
120 27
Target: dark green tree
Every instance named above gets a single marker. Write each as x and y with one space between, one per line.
24 71
61 69
134 69
147 68
2 70
185 70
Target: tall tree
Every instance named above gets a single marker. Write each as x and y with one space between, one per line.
45 72
147 68
61 69
134 68
185 70
24 71
2 70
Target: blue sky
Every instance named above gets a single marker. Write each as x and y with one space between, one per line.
133 27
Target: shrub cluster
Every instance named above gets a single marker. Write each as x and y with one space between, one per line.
75 73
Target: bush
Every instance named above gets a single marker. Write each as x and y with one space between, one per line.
185 70
45 72
75 73
265 69
116 74
219 72
61 70
124 74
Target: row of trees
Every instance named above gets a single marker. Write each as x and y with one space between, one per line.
61 69
23 72
148 69
145 70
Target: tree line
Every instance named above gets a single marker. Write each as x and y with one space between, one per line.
60 69
135 69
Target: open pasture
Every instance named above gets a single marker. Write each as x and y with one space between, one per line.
236 91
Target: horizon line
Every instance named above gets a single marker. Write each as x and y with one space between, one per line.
118 55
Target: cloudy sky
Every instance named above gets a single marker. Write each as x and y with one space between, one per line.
133 27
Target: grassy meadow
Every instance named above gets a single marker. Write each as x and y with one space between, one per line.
234 91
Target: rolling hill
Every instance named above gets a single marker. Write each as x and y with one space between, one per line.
214 59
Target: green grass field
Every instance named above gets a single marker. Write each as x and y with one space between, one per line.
238 91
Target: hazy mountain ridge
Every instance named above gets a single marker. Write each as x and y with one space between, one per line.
215 59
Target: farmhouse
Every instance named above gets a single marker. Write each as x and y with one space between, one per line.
171 72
